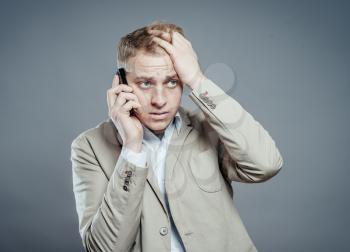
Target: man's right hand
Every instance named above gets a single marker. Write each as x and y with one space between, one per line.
120 100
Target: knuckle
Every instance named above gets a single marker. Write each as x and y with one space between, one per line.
116 89
124 86
122 95
133 96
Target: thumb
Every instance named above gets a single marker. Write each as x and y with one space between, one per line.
115 81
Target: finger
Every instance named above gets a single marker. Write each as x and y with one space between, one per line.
131 105
169 37
115 81
121 88
113 92
180 37
177 38
125 97
110 99
164 35
166 45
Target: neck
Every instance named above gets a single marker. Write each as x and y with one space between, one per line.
159 134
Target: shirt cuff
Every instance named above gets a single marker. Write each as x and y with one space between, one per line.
136 158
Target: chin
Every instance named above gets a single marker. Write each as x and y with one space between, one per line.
157 125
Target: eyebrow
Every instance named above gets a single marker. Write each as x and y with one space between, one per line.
172 76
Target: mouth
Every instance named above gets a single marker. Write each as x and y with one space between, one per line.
159 115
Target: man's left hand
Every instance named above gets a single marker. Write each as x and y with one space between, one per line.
183 56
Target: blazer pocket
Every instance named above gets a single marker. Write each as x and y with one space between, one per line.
205 170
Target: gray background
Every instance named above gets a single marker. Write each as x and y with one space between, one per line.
290 61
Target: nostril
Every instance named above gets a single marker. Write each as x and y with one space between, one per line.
159 100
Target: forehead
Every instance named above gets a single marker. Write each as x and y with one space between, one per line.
145 64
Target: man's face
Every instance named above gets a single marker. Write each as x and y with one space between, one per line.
157 87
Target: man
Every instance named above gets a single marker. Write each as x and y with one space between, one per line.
155 177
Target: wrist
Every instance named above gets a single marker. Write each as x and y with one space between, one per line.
134 146
137 158
196 83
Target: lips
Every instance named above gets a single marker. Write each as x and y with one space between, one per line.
159 115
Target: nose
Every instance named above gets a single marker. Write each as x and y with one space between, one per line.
158 98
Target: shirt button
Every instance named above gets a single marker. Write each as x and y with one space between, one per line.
125 188
163 230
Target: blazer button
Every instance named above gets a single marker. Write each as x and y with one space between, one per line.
163 230
205 99
125 188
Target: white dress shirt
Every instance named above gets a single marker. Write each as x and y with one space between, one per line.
154 151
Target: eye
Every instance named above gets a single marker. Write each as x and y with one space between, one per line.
144 84
172 83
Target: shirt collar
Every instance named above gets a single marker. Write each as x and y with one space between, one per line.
176 122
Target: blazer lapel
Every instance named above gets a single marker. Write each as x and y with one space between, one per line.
174 149
176 144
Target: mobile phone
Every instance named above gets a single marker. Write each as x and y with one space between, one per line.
122 76
123 80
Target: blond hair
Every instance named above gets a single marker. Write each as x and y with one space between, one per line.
141 40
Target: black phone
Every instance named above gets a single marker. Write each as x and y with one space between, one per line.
122 80
122 76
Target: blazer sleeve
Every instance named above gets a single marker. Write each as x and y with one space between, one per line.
246 151
109 210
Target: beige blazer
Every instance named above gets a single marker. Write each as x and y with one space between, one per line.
120 207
